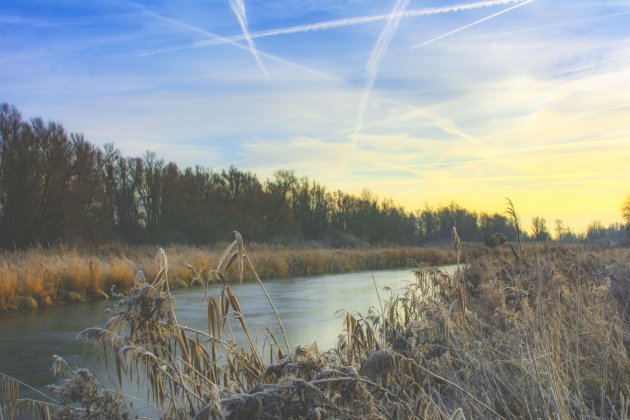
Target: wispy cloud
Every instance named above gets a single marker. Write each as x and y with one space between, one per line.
238 7
380 48
477 22
340 23
59 23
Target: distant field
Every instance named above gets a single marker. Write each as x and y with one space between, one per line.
40 277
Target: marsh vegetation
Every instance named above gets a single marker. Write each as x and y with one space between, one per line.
40 277
543 332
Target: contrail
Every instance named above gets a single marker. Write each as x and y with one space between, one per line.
564 119
432 40
238 45
380 48
577 70
338 23
238 7
564 23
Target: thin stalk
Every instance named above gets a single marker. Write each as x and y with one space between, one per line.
577 329
380 303
30 387
273 307
443 379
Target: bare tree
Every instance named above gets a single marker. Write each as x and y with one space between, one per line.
625 211
559 229
539 228
150 190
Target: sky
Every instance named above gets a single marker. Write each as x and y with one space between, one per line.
425 102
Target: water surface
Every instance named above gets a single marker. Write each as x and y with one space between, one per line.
306 305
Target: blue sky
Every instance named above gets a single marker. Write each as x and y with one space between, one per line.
421 101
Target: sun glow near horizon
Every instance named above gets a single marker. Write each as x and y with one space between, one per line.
528 103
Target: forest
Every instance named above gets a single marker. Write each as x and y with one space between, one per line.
57 187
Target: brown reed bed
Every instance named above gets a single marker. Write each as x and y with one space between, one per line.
45 276
543 333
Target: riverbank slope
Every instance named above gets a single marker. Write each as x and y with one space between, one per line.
46 276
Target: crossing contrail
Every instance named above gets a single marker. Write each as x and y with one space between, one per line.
380 48
238 7
432 40
339 23
238 45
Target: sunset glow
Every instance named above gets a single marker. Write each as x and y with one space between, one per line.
424 102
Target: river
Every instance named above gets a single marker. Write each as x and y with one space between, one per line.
306 305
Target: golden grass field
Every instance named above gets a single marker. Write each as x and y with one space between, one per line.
40 277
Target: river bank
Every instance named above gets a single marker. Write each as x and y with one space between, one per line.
539 332
40 277
307 306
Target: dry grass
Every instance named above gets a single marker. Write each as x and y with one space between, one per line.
41 277
544 335
548 338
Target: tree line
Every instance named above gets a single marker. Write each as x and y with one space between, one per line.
56 187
